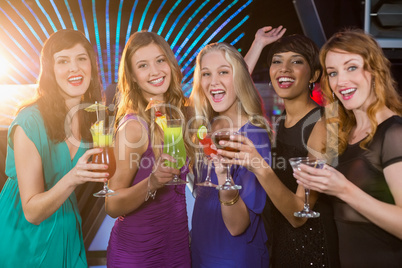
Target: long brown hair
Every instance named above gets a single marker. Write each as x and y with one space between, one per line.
340 120
48 98
131 98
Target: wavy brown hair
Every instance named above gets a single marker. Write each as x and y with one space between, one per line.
131 97
340 120
48 98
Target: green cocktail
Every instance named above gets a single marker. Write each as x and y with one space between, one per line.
174 146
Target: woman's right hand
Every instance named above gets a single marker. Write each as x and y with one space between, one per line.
83 170
162 173
248 156
267 35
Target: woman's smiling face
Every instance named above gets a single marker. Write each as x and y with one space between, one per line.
348 79
217 82
151 71
290 74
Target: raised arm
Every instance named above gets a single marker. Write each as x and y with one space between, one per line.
263 37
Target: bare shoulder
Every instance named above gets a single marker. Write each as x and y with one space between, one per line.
133 131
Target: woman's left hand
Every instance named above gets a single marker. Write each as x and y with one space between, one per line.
327 180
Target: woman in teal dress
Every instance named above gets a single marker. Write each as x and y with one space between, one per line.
47 158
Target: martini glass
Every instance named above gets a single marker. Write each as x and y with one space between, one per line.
295 162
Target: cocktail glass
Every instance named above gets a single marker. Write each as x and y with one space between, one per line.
206 143
174 146
103 138
225 135
295 162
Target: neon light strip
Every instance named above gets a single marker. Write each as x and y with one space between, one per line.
71 15
37 19
203 33
7 116
84 21
21 32
237 39
195 28
20 61
130 22
13 79
167 16
12 107
209 39
189 73
234 28
98 43
156 15
46 15
177 19
58 14
143 15
27 23
216 32
19 46
20 73
187 88
117 46
108 58
186 24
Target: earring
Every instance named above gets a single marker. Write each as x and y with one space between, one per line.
333 95
311 86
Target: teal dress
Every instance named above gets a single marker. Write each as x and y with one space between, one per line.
57 241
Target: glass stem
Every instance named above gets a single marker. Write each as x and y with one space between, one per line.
307 199
208 178
228 174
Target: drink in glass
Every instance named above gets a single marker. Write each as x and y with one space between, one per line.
103 138
174 146
306 212
216 138
206 142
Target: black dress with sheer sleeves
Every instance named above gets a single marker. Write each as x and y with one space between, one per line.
362 243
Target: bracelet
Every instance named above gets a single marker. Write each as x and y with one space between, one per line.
231 202
149 193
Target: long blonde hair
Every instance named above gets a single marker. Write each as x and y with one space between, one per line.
248 98
340 121
131 98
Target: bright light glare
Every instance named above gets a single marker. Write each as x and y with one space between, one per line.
11 97
3 66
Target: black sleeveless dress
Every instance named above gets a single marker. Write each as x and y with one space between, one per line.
315 243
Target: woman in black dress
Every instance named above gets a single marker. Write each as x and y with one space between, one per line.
300 131
366 122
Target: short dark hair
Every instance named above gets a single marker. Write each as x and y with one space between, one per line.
299 44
